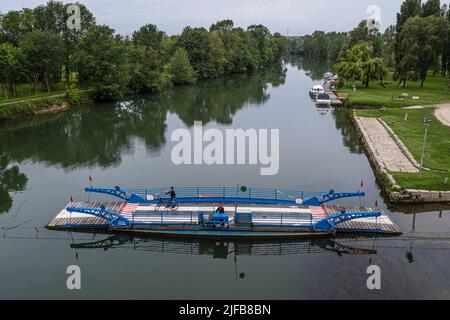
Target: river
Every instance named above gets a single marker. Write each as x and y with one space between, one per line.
46 160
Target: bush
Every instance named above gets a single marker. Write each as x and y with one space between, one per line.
73 95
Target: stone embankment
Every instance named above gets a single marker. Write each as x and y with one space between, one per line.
387 153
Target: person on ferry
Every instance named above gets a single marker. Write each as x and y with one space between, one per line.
220 209
172 193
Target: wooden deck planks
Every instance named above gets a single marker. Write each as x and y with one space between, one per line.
64 220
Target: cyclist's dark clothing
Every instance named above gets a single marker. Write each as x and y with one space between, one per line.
172 193
220 209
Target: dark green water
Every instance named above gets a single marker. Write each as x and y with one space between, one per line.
44 161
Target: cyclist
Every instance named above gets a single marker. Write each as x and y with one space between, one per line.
220 209
173 195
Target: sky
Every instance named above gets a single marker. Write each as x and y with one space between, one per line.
293 17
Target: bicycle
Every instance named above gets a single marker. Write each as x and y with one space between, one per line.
172 204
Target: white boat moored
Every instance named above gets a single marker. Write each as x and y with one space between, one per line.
316 90
323 99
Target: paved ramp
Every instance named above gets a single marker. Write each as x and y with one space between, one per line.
384 147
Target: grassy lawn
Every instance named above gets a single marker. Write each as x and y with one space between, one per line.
411 132
435 91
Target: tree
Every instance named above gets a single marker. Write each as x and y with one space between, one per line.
11 62
388 45
100 57
49 17
431 8
199 47
279 46
180 69
43 52
422 42
148 36
445 62
236 49
14 25
261 35
222 27
362 32
408 9
360 64
71 36
145 69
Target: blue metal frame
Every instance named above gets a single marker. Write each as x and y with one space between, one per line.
327 224
119 193
331 196
113 218
228 195
330 222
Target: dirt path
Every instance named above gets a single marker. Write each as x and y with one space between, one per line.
442 113
39 98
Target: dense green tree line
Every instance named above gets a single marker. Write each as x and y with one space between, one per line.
419 42
37 46
319 45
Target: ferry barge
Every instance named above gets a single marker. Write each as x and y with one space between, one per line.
248 213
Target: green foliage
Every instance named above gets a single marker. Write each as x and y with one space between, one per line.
11 59
145 70
226 49
99 56
199 45
360 64
43 53
319 45
73 95
180 69
37 47
422 40
423 46
362 33
431 8
149 36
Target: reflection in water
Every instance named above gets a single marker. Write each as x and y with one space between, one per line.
223 249
314 68
11 180
220 99
101 134
349 135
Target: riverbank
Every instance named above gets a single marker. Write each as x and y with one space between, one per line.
23 107
389 120
393 141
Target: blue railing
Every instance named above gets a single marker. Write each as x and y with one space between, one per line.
228 192
191 218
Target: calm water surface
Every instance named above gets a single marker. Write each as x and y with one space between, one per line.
44 161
